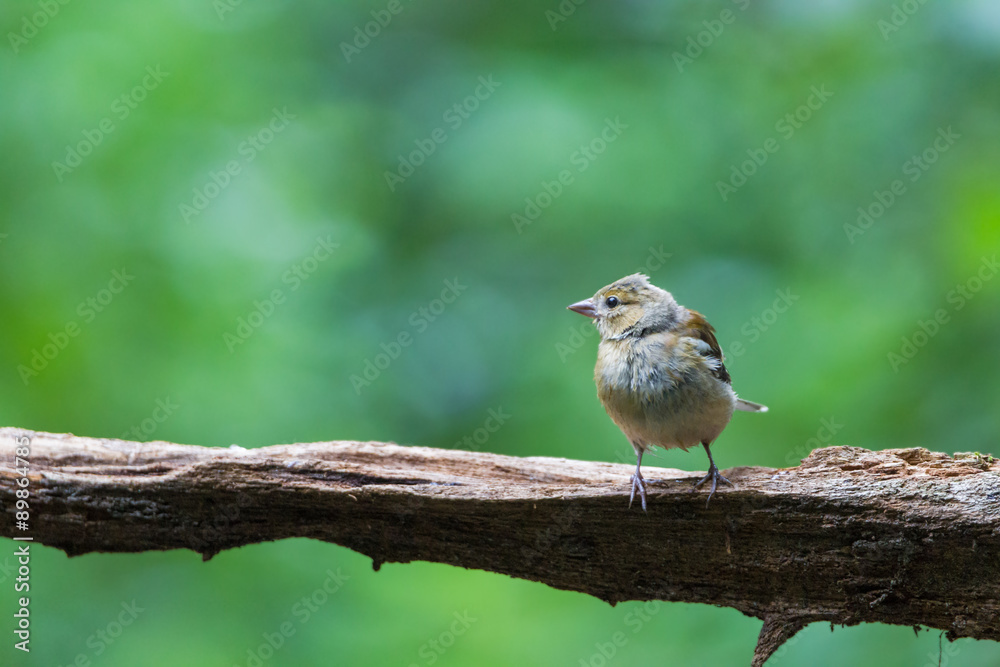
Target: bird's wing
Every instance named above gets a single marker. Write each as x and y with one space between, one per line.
697 327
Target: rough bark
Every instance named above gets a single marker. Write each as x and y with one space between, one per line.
903 536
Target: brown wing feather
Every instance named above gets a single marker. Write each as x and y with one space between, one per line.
698 327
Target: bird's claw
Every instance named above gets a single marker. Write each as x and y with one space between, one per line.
713 474
640 483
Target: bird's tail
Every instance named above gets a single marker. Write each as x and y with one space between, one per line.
748 406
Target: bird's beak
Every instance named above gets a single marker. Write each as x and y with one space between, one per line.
585 307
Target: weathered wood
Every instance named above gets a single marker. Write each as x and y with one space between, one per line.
904 536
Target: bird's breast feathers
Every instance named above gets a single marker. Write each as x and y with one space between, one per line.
663 389
652 364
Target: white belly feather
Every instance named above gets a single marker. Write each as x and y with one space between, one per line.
654 402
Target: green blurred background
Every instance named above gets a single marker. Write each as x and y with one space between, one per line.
157 101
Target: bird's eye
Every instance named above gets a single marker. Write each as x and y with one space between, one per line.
611 301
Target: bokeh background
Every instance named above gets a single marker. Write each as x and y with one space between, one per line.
213 153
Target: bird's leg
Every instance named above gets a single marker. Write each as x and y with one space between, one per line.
638 482
713 474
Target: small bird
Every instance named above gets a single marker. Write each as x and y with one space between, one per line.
659 373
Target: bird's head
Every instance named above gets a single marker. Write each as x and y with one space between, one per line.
630 306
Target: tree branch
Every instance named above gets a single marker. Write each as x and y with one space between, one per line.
904 536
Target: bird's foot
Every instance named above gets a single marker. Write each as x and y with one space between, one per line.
713 474
638 483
